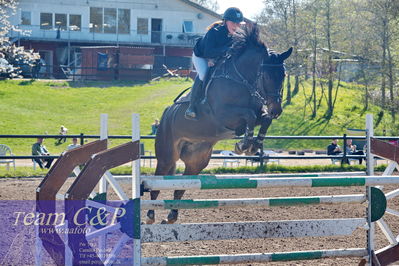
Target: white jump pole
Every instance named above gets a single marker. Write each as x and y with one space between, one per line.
136 194
370 171
369 134
103 185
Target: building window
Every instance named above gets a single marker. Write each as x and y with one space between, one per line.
61 21
75 22
26 18
46 21
188 26
109 20
142 26
96 19
124 21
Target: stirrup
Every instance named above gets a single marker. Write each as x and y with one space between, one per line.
191 115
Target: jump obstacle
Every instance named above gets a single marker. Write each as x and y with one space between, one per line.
98 159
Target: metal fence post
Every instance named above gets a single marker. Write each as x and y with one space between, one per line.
82 141
344 159
261 155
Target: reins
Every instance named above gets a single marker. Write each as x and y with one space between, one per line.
254 89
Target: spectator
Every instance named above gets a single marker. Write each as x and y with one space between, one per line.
154 127
74 144
352 150
39 149
63 131
333 148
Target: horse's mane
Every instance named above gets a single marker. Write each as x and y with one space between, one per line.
249 36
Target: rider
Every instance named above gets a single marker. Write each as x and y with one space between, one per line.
213 45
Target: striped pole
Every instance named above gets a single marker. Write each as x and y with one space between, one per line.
254 176
257 257
212 182
255 202
250 230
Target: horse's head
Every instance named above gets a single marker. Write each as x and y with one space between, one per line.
270 81
260 67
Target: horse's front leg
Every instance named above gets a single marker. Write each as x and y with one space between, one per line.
234 117
264 126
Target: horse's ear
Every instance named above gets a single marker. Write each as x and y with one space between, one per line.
286 54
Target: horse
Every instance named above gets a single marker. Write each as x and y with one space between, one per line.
244 91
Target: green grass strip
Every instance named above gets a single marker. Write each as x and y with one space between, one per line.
294 201
190 204
227 183
297 256
338 182
193 260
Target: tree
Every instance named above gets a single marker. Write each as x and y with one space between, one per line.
211 4
12 58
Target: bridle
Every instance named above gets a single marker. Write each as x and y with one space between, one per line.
254 88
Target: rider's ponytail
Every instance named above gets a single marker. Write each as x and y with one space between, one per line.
214 24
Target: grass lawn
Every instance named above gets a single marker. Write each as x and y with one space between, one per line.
39 107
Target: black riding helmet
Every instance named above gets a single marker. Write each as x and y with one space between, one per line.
233 14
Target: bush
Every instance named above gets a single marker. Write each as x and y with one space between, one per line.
13 60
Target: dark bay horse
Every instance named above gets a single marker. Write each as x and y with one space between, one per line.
244 91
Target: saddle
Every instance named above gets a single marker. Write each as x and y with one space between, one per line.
183 98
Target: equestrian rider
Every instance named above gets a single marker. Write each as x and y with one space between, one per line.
213 45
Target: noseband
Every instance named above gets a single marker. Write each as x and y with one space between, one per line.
254 88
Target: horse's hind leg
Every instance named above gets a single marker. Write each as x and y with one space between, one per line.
166 169
195 157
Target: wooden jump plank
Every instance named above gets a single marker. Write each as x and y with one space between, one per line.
385 149
97 166
58 174
80 190
47 190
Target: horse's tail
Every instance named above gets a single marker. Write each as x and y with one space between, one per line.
181 93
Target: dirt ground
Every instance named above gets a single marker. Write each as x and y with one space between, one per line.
24 189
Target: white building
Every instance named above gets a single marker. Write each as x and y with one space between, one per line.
57 28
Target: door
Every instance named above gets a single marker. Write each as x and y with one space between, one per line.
156 30
46 70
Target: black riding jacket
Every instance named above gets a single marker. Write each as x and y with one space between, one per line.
215 43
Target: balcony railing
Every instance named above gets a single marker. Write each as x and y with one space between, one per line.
34 32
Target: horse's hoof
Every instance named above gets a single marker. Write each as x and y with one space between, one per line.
172 216
150 217
149 221
167 221
238 148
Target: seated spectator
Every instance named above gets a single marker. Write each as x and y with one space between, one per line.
333 148
74 144
352 150
63 131
154 127
39 149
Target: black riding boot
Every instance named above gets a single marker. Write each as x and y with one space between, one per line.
196 92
